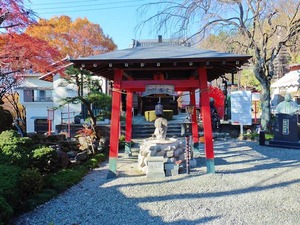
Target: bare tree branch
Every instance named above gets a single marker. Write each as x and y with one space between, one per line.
261 27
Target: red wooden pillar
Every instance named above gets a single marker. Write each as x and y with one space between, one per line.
206 119
128 123
115 124
195 131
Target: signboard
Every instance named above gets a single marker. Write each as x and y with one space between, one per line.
255 96
285 126
159 89
241 103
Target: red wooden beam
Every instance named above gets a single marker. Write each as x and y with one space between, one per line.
115 124
128 123
139 85
194 118
206 119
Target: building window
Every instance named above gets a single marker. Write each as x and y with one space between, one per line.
38 96
28 95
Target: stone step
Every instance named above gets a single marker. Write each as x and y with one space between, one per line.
146 130
174 130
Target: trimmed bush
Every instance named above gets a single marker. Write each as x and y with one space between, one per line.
9 190
14 150
6 211
66 178
38 199
31 182
12 137
44 159
94 162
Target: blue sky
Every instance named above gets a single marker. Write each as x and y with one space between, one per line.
118 18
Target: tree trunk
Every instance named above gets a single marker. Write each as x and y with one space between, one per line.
265 98
265 105
91 114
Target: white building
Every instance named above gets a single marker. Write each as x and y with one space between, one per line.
41 96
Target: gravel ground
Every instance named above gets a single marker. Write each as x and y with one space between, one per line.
252 185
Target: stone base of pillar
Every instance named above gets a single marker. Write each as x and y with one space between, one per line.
210 165
155 167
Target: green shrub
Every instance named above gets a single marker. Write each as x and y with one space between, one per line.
14 150
9 177
44 159
9 190
94 162
12 137
122 142
6 211
66 178
269 136
35 200
31 182
8 136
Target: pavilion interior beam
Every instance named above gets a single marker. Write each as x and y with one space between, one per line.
161 68
139 85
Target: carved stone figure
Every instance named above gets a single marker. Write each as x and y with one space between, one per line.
161 127
288 106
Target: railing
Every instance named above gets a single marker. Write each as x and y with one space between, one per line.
40 99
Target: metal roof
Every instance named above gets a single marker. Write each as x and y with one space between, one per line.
174 61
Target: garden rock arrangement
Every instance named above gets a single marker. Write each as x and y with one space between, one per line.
157 155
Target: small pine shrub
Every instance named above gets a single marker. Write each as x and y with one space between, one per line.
6 211
31 182
38 199
44 159
9 136
9 190
14 149
65 178
94 162
12 137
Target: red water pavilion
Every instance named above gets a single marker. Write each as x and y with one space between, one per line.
185 68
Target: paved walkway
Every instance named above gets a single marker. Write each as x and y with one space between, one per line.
252 185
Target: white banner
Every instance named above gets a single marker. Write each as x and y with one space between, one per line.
241 103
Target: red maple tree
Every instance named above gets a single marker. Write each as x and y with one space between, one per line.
20 52
14 15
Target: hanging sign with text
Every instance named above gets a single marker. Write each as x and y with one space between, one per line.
241 103
159 89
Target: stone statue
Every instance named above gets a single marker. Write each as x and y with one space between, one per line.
161 127
288 106
161 124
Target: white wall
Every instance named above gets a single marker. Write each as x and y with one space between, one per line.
34 110
40 109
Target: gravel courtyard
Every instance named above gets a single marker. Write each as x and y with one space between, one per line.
252 185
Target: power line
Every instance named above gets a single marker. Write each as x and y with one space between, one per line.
68 4
80 6
83 1
86 10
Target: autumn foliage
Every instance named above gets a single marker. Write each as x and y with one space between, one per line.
14 15
22 52
73 38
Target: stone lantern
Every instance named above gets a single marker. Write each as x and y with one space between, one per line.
186 126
